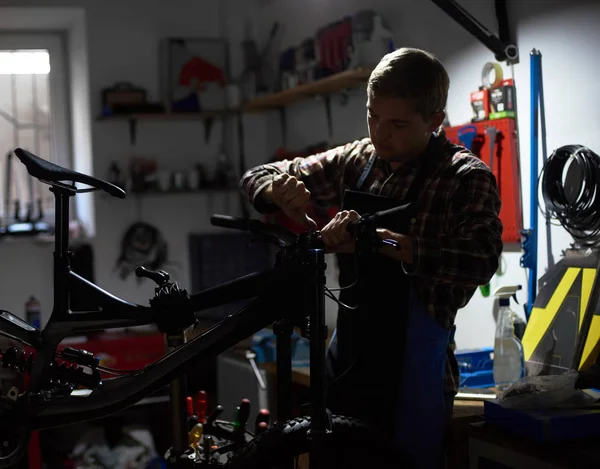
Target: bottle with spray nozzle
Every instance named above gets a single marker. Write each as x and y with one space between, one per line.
509 365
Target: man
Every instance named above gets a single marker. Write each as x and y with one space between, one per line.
391 358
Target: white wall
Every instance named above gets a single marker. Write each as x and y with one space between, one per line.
123 41
123 44
564 32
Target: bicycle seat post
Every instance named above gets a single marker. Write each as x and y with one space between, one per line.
40 371
61 248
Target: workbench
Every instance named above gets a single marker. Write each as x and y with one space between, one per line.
490 447
466 412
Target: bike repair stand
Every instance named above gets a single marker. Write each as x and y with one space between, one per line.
283 330
169 297
178 454
321 420
315 329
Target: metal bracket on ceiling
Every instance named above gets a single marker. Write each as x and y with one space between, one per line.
503 48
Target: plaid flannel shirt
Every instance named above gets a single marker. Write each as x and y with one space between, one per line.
457 234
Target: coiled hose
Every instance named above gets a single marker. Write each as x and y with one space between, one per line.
570 185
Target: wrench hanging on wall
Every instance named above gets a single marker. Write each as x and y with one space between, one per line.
7 188
492 133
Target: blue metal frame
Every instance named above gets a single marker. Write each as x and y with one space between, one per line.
530 236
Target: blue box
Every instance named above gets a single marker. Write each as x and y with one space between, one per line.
544 425
264 345
476 367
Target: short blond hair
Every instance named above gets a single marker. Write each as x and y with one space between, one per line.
413 74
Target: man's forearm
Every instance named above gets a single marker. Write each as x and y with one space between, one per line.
263 200
266 194
405 250
255 185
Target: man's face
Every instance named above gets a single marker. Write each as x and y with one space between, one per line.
397 131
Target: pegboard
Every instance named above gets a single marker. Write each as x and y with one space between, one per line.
505 163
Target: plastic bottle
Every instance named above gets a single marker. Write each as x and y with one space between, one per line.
509 364
33 312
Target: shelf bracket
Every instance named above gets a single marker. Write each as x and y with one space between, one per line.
208 126
503 48
242 161
327 101
283 121
132 131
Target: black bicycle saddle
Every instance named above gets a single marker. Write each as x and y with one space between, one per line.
50 172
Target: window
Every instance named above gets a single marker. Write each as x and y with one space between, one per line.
33 116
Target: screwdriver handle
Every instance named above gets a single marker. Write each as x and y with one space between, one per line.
263 416
208 443
261 428
214 414
201 406
244 412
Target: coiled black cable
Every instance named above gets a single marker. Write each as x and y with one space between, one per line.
575 204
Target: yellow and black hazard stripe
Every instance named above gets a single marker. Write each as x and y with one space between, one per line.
551 335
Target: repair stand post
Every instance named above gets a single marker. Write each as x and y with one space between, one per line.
178 394
320 425
283 330
283 349
530 244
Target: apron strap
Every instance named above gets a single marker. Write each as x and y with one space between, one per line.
411 194
366 171
452 334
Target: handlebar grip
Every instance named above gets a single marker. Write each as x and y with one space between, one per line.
227 221
352 226
400 214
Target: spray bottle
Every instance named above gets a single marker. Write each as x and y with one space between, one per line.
509 364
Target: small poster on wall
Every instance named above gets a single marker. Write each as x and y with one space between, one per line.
195 74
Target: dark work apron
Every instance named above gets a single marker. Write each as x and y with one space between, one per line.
386 359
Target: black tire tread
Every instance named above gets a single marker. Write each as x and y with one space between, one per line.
289 439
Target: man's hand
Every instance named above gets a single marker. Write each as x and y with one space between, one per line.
335 234
290 194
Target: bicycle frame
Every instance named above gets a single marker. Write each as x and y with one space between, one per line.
116 394
299 273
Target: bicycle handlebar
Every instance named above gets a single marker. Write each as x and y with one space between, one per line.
401 213
117 393
256 227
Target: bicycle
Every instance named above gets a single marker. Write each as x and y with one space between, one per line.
67 387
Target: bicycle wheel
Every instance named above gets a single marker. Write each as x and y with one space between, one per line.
352 444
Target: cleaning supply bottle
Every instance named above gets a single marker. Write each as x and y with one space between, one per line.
509 365
33 311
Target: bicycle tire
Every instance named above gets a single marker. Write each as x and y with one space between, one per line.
352 444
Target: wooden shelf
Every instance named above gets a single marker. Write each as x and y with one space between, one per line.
325 86
331 84
334 83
